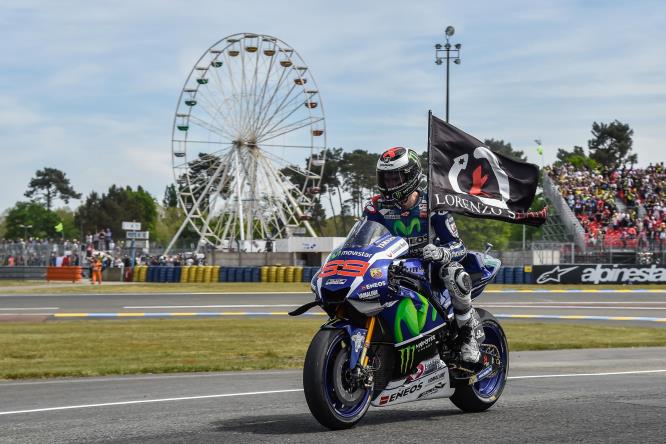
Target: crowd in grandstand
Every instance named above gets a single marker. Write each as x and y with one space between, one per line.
619 208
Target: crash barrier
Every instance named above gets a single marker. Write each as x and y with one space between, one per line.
599 274
211 273
67 273
514 275
22 272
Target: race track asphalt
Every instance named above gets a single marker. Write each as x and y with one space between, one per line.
604 396
618 307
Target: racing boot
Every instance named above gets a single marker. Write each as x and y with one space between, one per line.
471 331
459 284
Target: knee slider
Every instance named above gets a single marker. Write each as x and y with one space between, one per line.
463 280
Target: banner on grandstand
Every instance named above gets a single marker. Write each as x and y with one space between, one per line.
598 274
466 177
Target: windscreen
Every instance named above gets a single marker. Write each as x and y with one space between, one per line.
365 232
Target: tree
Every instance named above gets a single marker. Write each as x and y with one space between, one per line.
576 157
117 205
170 197
611 144
359 175
505 149
48 184
475 232
168 222
42 222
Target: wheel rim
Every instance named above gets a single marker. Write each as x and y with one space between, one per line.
492 386
347 402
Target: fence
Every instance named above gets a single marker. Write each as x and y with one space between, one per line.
568 218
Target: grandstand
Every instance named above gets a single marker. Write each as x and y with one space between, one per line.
609 212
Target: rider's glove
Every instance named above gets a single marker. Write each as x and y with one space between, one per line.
436 254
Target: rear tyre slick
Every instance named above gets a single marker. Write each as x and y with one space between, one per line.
333 400
482 395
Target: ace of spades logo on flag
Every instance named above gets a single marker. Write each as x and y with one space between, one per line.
467 177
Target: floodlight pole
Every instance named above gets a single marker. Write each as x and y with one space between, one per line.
455 56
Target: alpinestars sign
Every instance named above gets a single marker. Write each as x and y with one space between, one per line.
467 177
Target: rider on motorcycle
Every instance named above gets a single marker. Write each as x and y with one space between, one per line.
402 207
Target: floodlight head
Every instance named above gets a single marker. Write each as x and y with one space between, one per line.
438 61
457 61
458 46
447 46
438 46
450 30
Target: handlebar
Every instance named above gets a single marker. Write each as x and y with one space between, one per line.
401 270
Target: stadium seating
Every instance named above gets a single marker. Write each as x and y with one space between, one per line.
623 208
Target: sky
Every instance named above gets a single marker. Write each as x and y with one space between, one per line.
91 87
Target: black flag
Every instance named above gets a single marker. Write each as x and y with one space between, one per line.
466 177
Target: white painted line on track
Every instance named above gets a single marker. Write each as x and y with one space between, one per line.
147 401
269 392
253 292
572 375
600 303
29 308
217 306
26 314
572 307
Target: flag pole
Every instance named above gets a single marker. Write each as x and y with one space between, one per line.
430 238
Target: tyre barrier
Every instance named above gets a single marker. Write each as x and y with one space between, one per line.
210 273
514 275
22 272
67 273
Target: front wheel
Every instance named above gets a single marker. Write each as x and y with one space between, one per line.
333 396
483 394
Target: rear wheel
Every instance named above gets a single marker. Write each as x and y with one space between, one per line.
333 396
484 393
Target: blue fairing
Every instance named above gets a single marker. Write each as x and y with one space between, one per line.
353 333
482 268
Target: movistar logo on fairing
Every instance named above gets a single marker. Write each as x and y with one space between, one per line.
413 319
400 228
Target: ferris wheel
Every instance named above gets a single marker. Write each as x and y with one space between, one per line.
248 142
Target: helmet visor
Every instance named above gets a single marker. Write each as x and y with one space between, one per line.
390 180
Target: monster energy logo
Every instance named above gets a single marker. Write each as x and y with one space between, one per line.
407 358
400 228
414 156
412 318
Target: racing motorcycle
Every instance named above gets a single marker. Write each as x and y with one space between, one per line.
391 338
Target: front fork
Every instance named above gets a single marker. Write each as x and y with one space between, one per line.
361 371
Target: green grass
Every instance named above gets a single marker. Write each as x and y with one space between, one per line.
91 348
